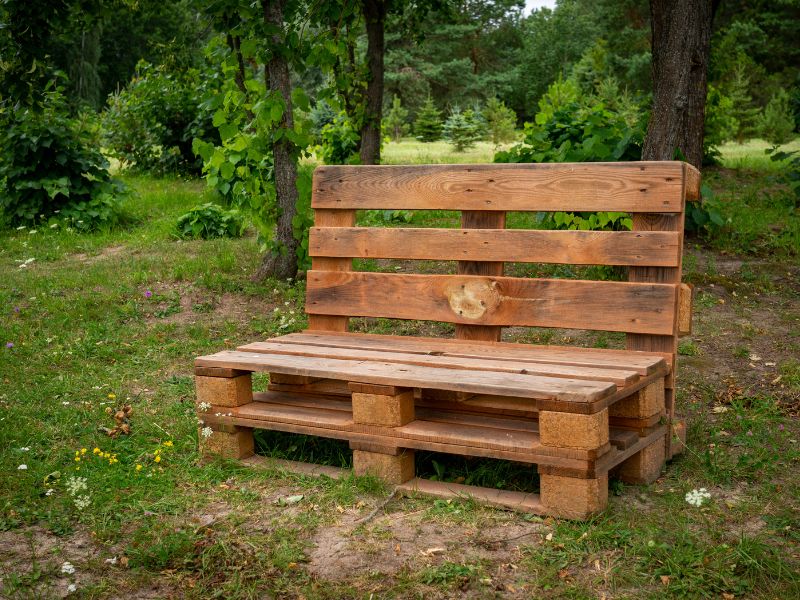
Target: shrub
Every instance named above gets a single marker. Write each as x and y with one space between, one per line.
776 123
150 124
320 115
501 121
50 166
395 122
576 133
340 142
720 124
462 129
209 221
428 126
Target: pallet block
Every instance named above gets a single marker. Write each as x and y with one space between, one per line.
228 389
571 497
645 466
393 469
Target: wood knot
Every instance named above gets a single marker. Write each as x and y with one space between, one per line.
471 299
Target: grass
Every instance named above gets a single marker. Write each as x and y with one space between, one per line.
88 338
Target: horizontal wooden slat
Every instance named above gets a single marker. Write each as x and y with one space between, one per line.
619 377
385 373
644 363
649 248
506 301
652 187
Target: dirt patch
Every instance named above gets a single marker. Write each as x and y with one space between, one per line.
105 253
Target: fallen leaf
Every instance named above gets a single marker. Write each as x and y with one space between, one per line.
755 357
719 409
549 536
563 573
665 580
432 551
728 596
285 500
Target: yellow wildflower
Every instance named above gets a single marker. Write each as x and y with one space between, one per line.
112 396
138 467
83 450
96 451
157 458
77 459
168 443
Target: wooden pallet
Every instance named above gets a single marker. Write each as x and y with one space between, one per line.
575 413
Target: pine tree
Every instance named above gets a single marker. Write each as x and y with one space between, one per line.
500 121
461 129
743 110
395 121
776 123
428 126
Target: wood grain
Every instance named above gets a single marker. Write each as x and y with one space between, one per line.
626 187
643 363
632 248
385 373
620 377
505 301
331 219
480 220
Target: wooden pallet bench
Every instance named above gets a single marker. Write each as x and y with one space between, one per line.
575 413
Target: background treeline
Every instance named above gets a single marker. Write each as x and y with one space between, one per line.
243 92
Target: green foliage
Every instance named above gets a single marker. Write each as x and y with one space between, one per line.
776 124
150 124
50 168
428 126
720 124
704 216
209 221
462 129
576 132
742 108
501 122
321 114
790 169
340 142
395 123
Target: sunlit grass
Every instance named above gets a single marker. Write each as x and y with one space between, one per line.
752 155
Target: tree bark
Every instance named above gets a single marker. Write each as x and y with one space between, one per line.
681 40
282 261
375 16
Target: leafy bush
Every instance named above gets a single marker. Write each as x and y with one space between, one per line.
790 172
150 124
209 221
462 129
776 123
576 133
50 167
720 124
340 142
500 120
428 126
704 216
320 115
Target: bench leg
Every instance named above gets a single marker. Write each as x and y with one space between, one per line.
381 407
569 430
394 468
571 497
643 404
644 466
226 441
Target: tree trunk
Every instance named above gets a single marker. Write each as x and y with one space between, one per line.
681 31
282 261
374 15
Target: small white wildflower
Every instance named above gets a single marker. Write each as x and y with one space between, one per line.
72 587
21 227
65 403
697 497
67 568
111 561
25 449
75 485
82 502
286 304
22 468
49 492
206 432
54 225
31 232
203 406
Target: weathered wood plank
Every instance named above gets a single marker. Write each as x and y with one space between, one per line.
626 187
685 309
480 220
384 373
620 377
632 248
331 219
644 363
505 301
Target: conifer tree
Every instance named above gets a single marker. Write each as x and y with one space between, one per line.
428 126
395 121
461 129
